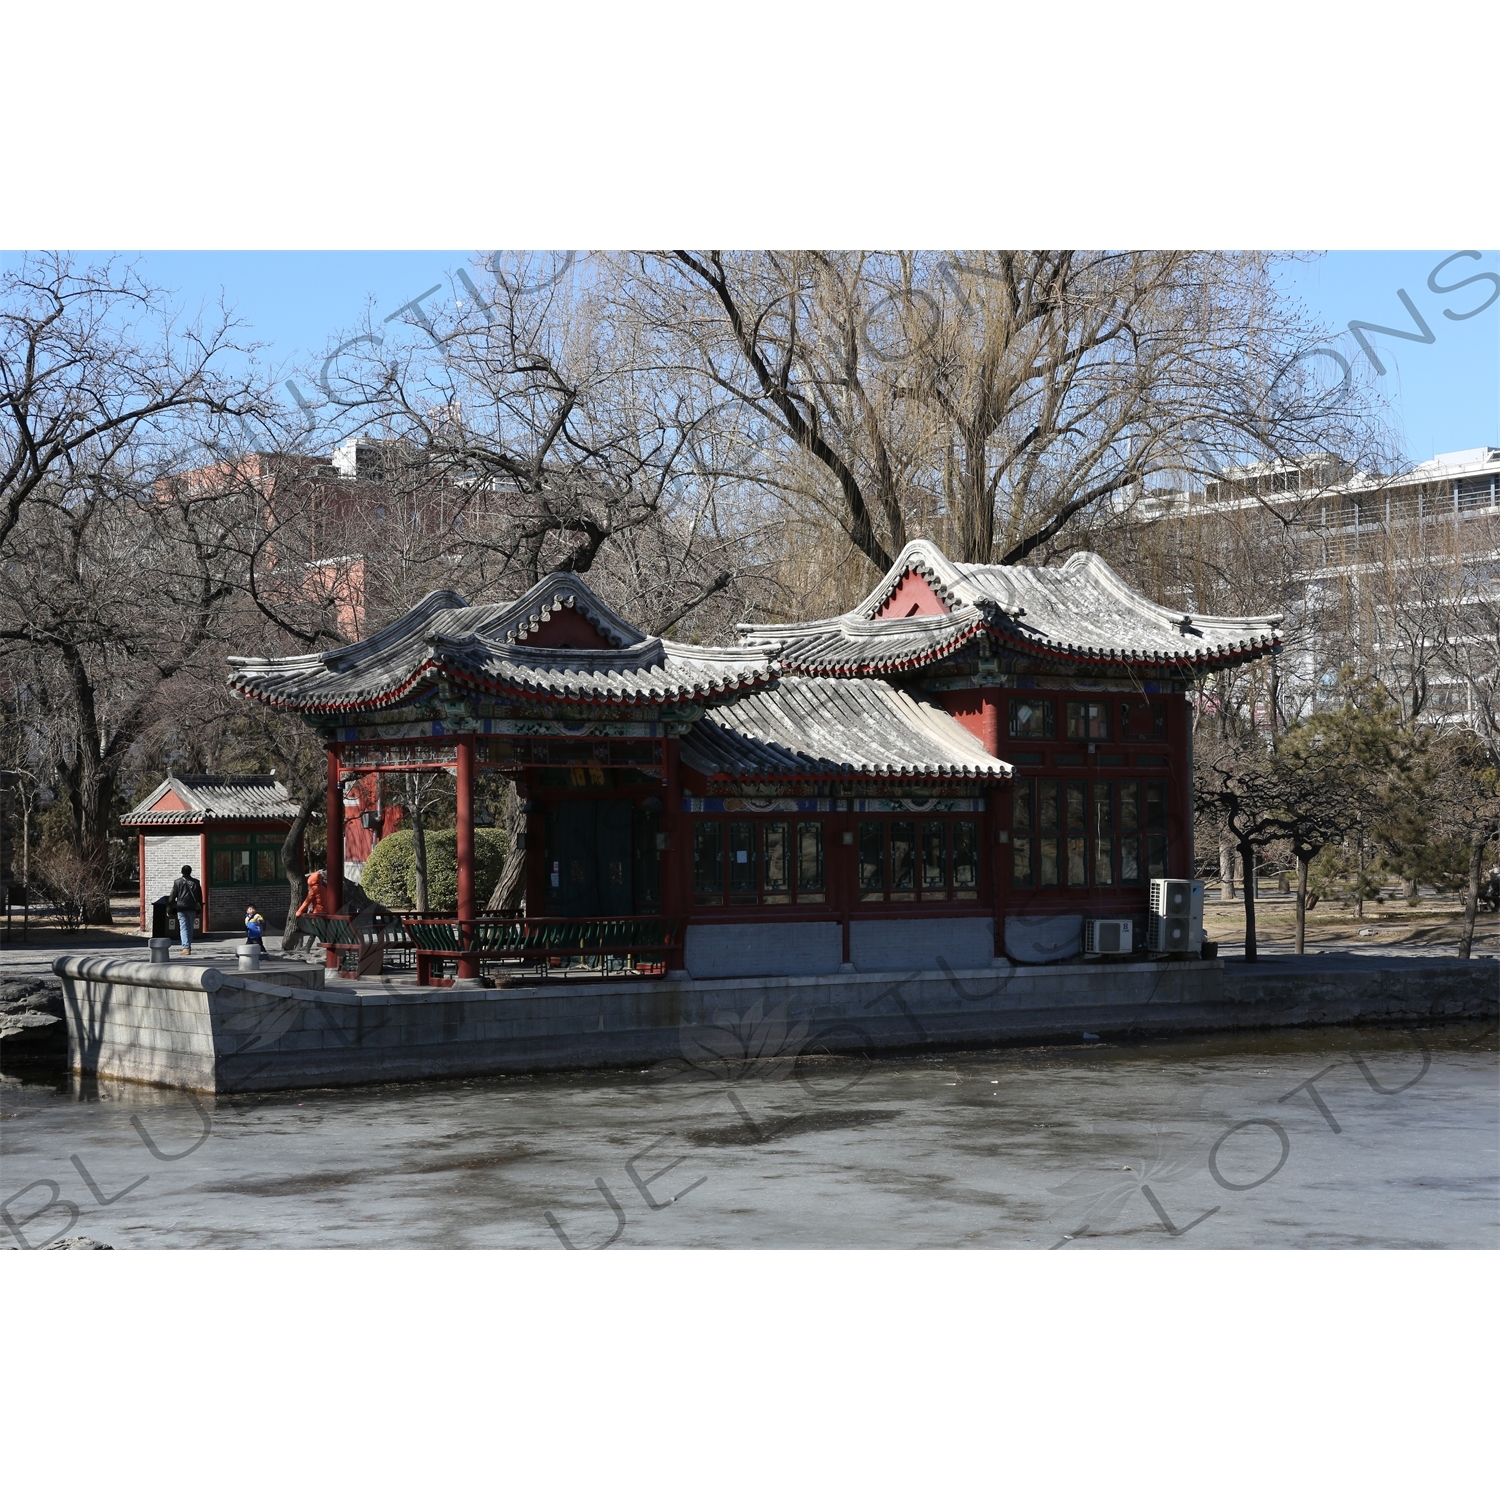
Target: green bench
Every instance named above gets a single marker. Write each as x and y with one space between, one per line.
361 943
539 939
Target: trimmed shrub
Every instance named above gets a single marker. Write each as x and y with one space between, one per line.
390 873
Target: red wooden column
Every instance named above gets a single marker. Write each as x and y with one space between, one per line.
468 910
843 862
1179 788
993 853
675 828
536 842
204 873
333 877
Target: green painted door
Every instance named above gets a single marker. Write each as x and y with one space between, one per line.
589 861
612 858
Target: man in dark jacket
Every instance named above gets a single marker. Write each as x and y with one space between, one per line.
187 901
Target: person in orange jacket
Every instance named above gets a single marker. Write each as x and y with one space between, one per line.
313 905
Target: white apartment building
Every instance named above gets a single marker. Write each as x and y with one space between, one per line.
1380 562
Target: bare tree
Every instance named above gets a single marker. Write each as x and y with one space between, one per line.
1335 771
1236 784
1468 639
1468 810
91 367
536 432
114 579
1002 399
117 587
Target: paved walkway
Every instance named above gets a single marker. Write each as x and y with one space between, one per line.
34 958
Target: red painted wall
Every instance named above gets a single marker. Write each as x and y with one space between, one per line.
979 711
569 629
913 596
365 792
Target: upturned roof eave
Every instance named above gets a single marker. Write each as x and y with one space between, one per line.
432 669
1207 659
830 772
178 815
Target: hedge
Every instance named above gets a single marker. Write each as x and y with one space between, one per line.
390 873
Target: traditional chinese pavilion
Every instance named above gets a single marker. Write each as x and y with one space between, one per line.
970 749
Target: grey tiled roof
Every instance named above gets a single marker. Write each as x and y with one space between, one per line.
816 728
483 646
854 646
214 799
1081 611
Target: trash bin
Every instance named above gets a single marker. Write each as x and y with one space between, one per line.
162 924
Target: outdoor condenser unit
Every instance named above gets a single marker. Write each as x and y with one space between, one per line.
1108 934
1176 922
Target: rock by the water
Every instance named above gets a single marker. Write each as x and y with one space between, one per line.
78 1242
32 994
31 1017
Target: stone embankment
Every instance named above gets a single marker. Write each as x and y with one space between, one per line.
197 1027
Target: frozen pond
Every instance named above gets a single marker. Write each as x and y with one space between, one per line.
1321 1139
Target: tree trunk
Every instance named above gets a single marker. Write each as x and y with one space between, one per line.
1302 863
1359 874
1471 900
294 862
1408 888
90 783
510 890
1283 883
1247 854
1226 868
419 852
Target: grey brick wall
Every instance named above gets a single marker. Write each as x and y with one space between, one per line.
731 951
166 854
226 905
895 947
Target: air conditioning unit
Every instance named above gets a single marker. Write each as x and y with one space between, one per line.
1108 934
1176 922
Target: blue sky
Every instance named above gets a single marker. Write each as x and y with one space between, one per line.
1445 394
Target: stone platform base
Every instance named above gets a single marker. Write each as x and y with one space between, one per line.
195 1027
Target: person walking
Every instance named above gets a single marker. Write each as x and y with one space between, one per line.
255 926
187 901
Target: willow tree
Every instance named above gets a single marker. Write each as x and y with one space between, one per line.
1005 401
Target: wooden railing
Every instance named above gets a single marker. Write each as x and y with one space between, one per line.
538 939
361 943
